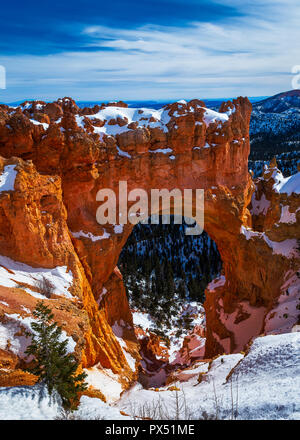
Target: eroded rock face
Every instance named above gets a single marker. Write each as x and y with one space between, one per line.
260 292
35 239
48 219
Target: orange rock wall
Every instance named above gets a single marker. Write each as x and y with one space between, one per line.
62 166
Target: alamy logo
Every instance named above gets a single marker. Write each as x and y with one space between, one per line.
296 78
188 204
2 77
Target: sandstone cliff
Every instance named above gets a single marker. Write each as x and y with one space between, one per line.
57 156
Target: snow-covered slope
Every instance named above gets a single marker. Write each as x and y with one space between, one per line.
34 403
280 103
13 274
263 384
277 114
287 161
275 131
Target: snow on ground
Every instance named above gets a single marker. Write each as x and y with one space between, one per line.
27 403
264 384
104 380
13 273
211 116
118 229
284 316
44 125
160 150
287 216
90 235
34 403
197 397
192 372
242 330
216 282
287 185
102 295
141 115
193 347
193 311
259 206
8 338
145 117
7 178
118 332
91 408
142 319
269 378
11 335
287 248
123 153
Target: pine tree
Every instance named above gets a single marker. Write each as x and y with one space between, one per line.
52 364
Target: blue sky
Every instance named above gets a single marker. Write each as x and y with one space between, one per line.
144 50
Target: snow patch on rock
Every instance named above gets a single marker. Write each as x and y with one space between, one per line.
13 274
89 235
7 178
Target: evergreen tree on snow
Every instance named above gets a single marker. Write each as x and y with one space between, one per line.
52 364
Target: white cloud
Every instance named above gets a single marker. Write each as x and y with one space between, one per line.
250 55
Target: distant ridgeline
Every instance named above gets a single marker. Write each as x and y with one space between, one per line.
275 131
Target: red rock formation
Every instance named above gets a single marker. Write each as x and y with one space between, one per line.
155 357
260 292
182 146
33 216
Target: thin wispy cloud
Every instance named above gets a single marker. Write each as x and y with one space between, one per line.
250 52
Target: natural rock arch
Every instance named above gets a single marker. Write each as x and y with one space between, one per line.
190 148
